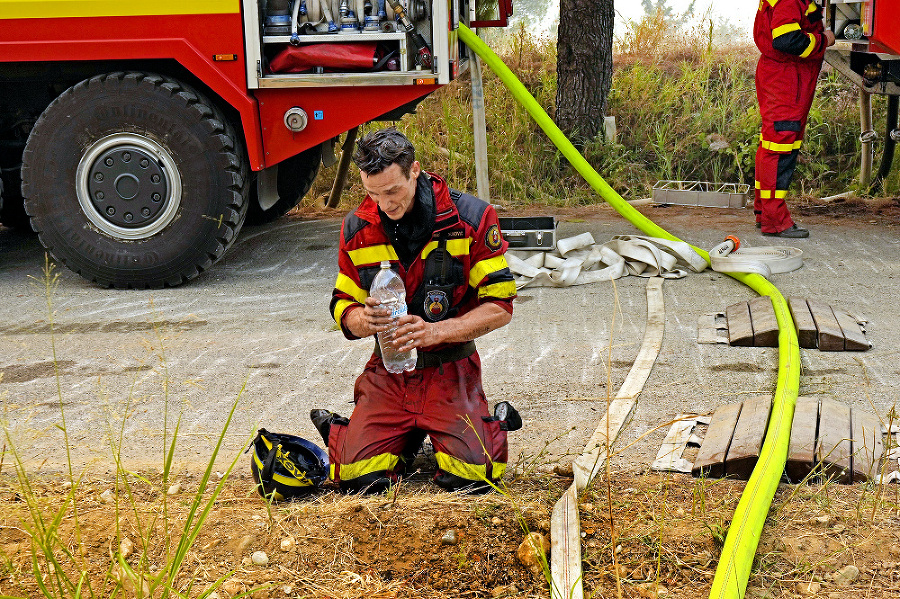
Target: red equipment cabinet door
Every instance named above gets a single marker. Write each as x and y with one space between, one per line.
885 24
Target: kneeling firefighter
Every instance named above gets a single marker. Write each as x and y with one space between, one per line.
447 248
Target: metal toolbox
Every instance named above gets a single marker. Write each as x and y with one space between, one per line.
529 232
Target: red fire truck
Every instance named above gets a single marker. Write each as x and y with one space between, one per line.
867 51
137 137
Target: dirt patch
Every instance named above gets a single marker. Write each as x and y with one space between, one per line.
665 532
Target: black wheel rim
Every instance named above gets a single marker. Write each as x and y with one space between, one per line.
128 186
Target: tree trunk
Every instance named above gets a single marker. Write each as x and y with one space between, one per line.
583 66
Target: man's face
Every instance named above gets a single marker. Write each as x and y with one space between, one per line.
394 192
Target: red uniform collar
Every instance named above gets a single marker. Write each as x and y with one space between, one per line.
447 214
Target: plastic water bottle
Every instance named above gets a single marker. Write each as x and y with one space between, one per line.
388 289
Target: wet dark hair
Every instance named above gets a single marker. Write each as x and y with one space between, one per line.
378 150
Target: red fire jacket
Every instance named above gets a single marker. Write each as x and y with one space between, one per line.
472 237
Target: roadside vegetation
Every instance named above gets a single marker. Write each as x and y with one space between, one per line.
684 103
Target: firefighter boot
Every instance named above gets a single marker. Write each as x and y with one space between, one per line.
508 416
322 420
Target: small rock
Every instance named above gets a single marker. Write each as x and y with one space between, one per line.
450 538
287 543
651 590
213 595
67 484
846 575
587 507
259 558
287 589
528 552
895 550
838 528
106 496
126 547
809 588
503 591
132 585
495 521
174 489
233 586
825 520
563 470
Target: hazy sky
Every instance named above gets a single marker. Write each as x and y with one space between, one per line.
739 12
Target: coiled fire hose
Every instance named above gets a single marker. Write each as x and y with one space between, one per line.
733 570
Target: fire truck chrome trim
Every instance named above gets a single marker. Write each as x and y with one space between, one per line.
90 166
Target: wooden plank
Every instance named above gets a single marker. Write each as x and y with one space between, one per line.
668 458
802 450
740 330
710 460
763 321
749 433
807 334
830 336
854 338
834 449
867 444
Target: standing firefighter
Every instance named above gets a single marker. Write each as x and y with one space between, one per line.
447 248
792 38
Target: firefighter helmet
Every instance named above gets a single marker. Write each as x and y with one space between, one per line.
286 466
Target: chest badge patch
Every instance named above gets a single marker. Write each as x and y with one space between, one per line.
437 304
493 239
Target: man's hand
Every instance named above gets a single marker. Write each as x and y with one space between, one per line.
368 320
829 38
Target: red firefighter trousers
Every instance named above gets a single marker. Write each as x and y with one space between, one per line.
447 402
785 93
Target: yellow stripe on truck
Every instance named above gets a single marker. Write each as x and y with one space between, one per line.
49 9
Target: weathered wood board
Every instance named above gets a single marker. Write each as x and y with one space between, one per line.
807 335
867 444
710 460
802 449
747 441
740 328
834 448
830 336
854 338
765 325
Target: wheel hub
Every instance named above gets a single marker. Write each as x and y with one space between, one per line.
127 186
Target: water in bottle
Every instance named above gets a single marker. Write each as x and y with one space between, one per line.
388 289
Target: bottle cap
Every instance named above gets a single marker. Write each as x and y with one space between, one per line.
385 264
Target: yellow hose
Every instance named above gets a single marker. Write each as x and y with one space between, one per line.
736 560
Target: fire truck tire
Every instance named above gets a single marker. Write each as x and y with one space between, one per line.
135 180
295 176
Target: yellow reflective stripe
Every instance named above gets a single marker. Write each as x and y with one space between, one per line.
772 2
785 29
811 8
451 465
340 307
756 183
33 9
780 194
810 47
373 254
486 267
384 461
777 147
456 247
346 284
498 290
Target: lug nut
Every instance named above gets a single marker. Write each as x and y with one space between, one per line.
110 210
100 195
98 177
126 156
145 163
129 217
108 161
145 211
156 197
154 178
